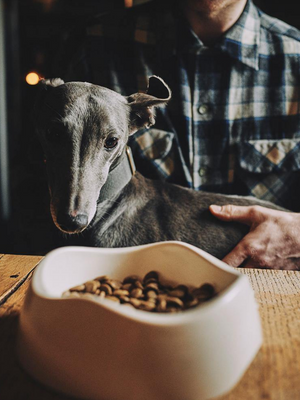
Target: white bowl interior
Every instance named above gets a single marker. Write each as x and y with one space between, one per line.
176 262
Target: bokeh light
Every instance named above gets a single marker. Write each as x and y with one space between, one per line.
32 78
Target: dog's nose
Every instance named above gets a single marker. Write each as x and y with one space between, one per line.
71 224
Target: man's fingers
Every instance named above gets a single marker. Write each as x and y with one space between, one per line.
245 214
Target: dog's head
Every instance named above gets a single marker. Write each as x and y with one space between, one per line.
83 129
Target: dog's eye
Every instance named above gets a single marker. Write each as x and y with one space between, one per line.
111 143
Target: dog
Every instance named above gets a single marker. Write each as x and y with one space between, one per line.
95 193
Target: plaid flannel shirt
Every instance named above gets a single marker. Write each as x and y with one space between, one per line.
233 124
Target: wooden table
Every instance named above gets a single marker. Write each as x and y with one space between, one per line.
273 375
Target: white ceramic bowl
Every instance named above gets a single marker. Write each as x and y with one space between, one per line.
105 351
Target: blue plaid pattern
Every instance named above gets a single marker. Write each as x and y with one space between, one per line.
233 124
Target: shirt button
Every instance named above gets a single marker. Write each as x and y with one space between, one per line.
203 109
202 171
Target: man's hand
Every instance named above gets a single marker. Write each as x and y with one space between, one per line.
272 242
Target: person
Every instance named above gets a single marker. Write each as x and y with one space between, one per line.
233 123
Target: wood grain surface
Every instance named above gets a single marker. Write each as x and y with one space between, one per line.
275 372
13 271
273 375
15 384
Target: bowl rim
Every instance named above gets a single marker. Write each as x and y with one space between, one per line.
227 295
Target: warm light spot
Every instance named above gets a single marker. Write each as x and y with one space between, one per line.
128 3
32 78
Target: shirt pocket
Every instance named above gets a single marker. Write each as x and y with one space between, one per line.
269 170
155 145
266 156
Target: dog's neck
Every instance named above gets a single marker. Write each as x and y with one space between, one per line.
119 175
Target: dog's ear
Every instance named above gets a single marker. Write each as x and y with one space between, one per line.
142 104
43 87
54 82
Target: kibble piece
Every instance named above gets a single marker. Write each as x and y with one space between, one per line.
174 301
192 303
120 292
138 284
106 288
151 275
161 303
135 302
114 283
113 298
152 300
74 294
152 286
150 280
124 299
146 305
136 293
161 296
151 294
88 295
79 288
204 292
131 279
92 286
102 278
127 286
179 291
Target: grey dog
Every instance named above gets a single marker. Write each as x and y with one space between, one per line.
84 130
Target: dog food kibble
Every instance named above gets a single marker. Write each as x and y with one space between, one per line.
148 293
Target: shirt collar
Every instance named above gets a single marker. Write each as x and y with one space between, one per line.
241 41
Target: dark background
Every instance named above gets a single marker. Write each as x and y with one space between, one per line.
34 32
